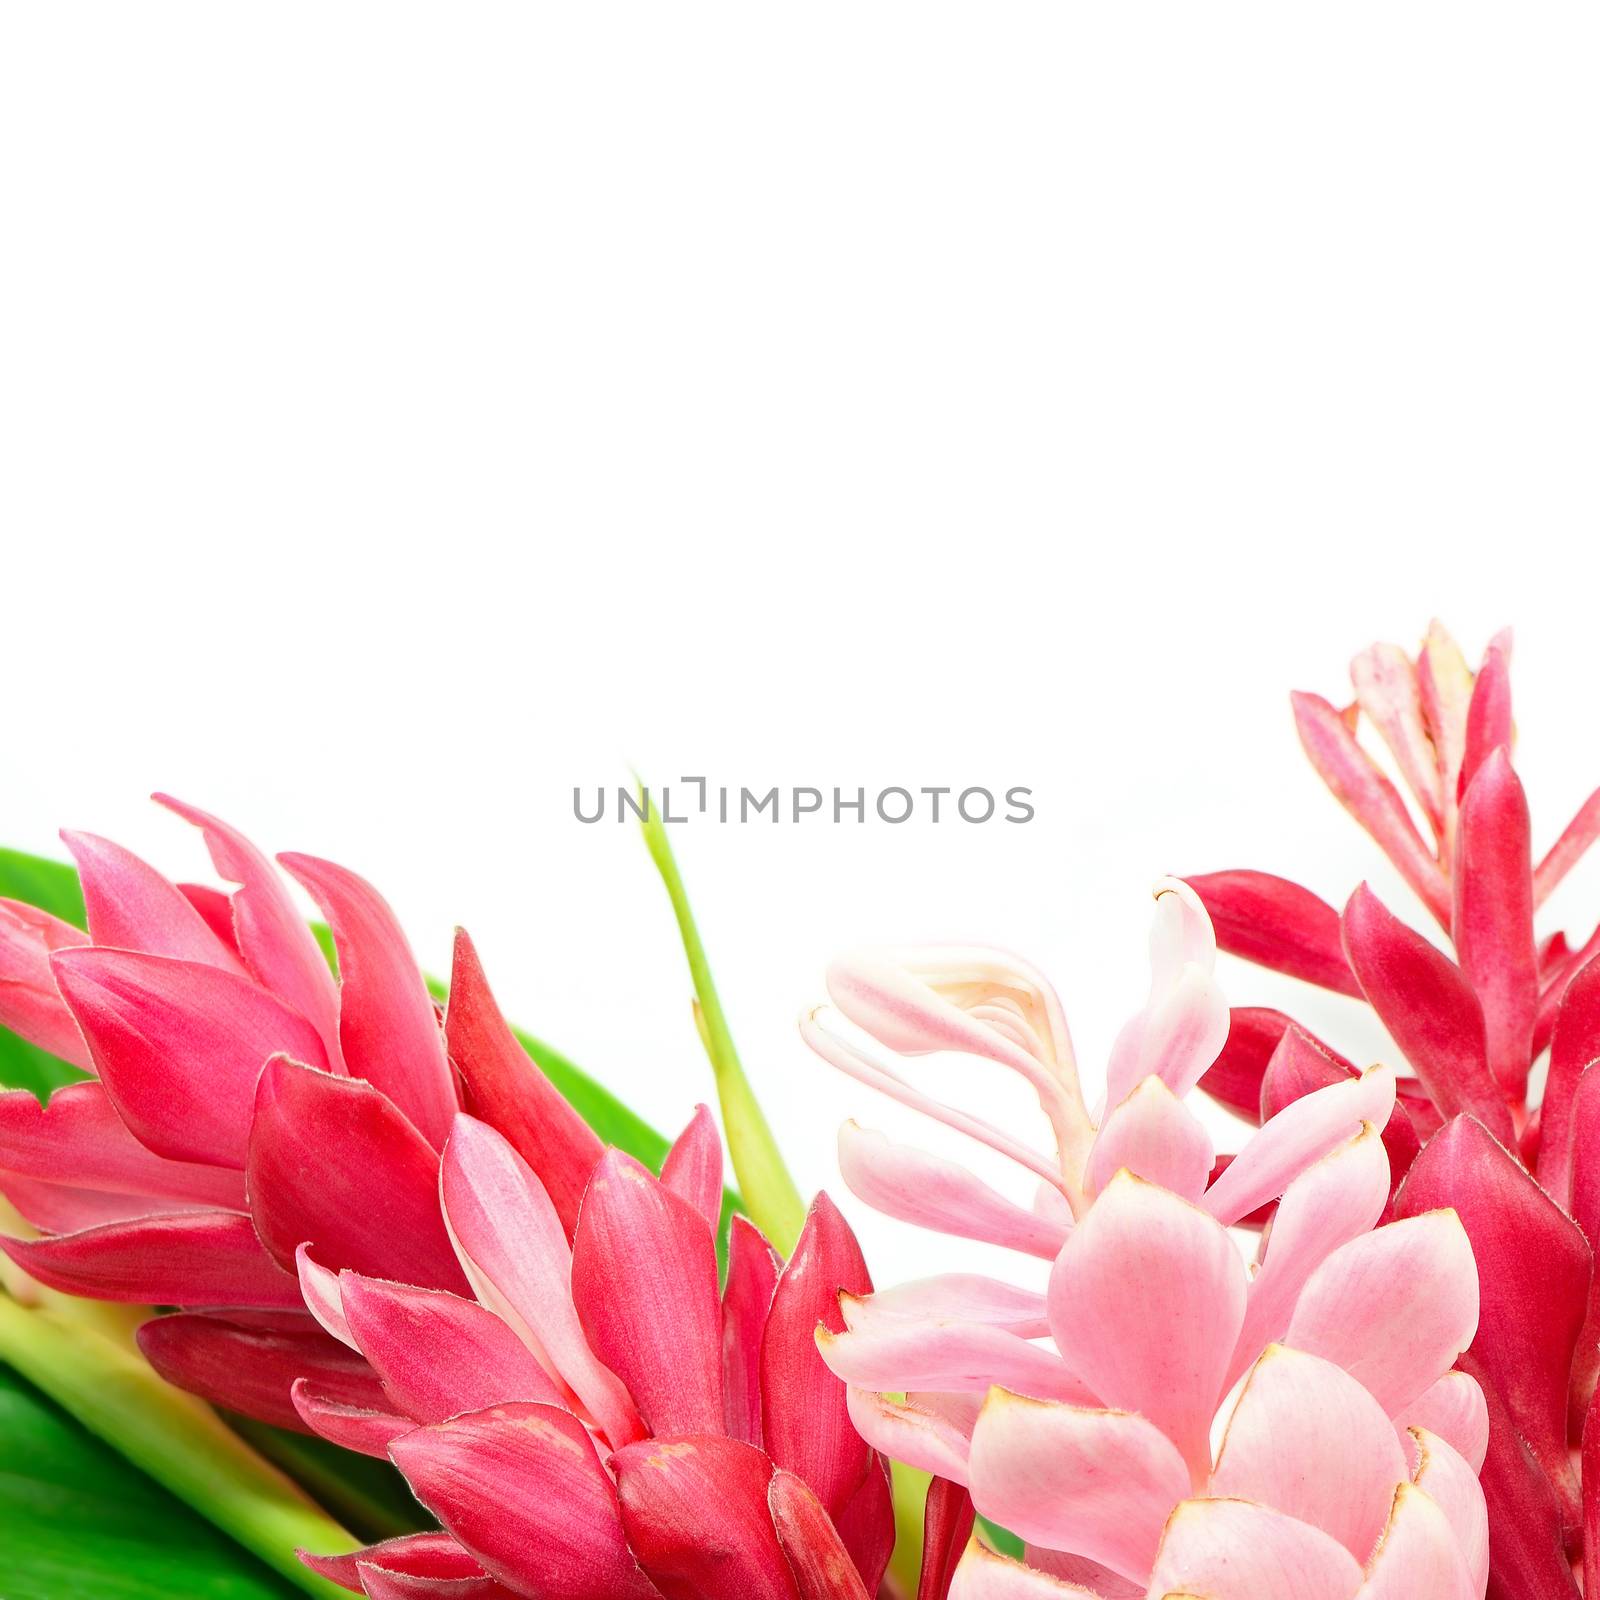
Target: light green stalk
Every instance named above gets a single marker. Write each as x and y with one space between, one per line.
768 1192
90 1370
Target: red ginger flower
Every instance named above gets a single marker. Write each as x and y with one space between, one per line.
246 1103
602 1421
267 1149
1524 1176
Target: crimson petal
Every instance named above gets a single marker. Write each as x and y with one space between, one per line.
250 1365
817 1558
30 1003
1422 998
76 1137
1533 1269
1276 924
506 1089
186 1258
522 1490
437 1354
334 1164
696 1513
179 1046
1235 1076
1573 1045
946 1526
274 940
1493 923
388 1029
644 1281
753 1268
693 1167
805 1415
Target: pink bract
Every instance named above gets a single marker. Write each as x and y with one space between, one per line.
1162 1419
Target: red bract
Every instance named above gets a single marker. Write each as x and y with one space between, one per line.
529 1325
1471 1024
603 1420
247 1106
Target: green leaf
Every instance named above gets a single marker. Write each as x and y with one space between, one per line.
80 1520
81 1363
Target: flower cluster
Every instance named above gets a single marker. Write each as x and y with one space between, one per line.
1194 1426
385 1225
1523 1174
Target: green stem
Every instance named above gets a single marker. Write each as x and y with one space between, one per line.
769 1193
179 1440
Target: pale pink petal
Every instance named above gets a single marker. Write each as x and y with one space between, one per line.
693 1167
1308 1440
1395 1345
983 1575
964 1297
818 1028
918 1187
1455 1410
1146 1302
1386 687
1175 1038
273 938
1099 1483
1153 1135
514 1250
1445 681
1334 1200
903 1000
422 1555
130 906
1360 786
1236 1550
388 1029
319 1288
1445 1476
1418 1556
889 1354
1302 1133
908 1432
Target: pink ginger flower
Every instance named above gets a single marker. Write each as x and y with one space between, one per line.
1290 1430
248 1108
1524 1176
601 1421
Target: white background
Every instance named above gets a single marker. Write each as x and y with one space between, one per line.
409 413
